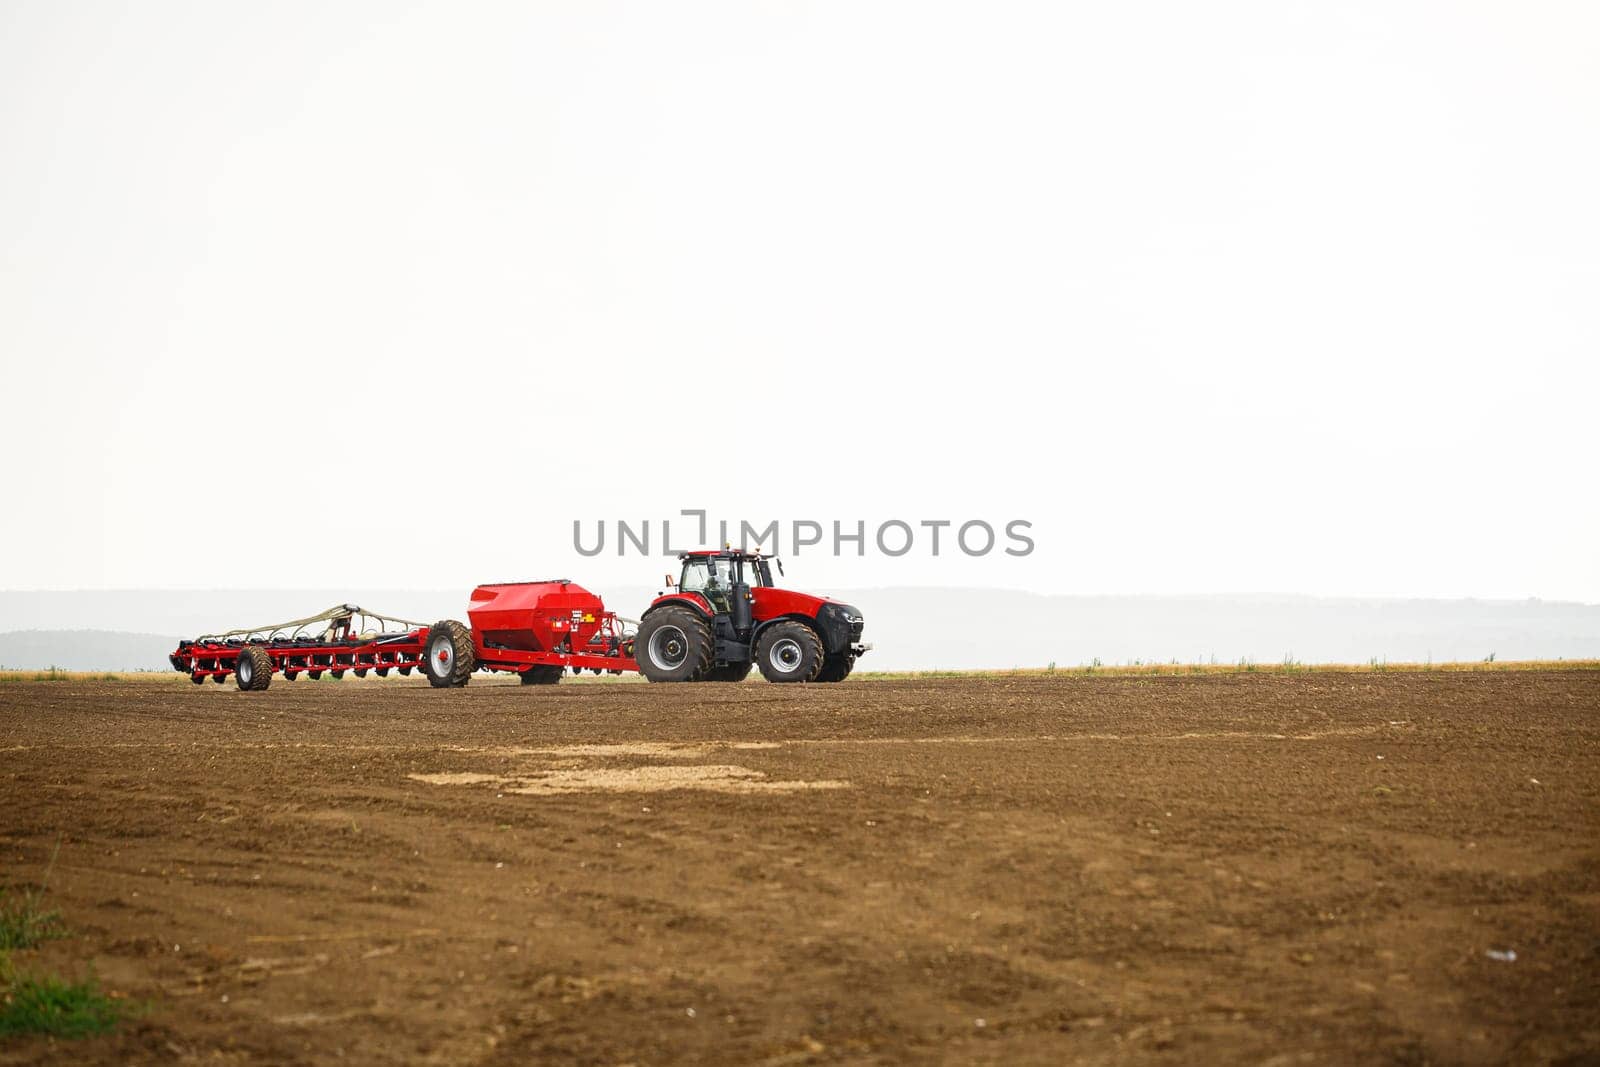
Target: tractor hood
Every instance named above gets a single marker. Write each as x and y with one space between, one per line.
837 623
774 602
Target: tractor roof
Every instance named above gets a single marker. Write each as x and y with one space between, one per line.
719 553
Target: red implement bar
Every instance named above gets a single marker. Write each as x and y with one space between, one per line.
343 638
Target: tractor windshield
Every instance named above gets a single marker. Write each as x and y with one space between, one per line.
704 573
710 572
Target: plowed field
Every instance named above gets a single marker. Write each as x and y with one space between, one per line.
1270 867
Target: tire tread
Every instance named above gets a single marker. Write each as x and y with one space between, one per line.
694 627
800 632
466 656
260 668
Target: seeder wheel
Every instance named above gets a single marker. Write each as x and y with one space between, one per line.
253 671
451 657
541 676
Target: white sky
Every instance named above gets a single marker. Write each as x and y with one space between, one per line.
1220 297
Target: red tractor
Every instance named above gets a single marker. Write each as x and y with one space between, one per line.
725 615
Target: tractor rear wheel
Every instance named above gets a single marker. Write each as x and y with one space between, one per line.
451 657
789 651
730 672
541 676
253 671
674 645
836 667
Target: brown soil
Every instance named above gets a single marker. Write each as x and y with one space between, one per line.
1275 868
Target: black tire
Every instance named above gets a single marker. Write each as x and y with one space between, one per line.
789 651
674 645
220 679
449 658
198 679
836 667
730 672
253 671
541 676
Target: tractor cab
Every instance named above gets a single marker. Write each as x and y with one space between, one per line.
727 581
716 576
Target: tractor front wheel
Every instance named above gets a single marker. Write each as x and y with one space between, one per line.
674 645
451 657
789 651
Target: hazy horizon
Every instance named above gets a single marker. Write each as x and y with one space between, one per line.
1226 594
913 628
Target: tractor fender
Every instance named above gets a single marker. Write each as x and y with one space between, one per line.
692 601
794 616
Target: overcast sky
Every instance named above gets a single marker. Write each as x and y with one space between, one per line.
1220 297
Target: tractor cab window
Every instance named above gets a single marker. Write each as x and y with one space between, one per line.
711 578
702 574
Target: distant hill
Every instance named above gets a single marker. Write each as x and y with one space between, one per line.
913 628
84 650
